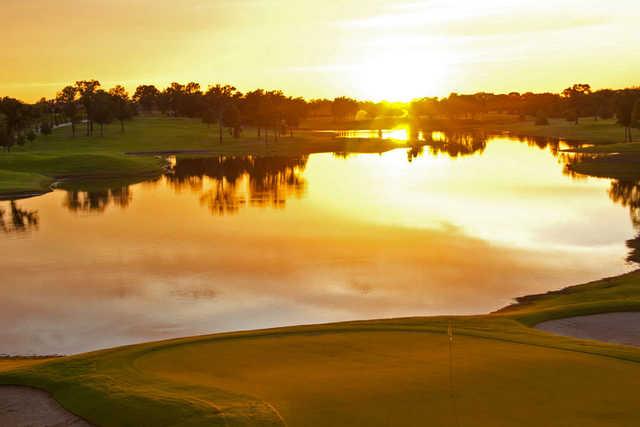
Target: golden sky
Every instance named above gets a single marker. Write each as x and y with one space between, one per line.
377 49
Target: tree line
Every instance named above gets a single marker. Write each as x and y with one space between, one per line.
273 114
572 104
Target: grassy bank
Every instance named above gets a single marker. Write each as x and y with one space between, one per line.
32 168
588 130
380 372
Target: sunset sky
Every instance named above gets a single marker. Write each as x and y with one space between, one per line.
375 49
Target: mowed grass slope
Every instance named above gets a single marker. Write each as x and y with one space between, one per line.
392 372
61 156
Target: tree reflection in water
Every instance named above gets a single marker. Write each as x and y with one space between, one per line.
235 182
17 220
97 201
466 143
456 144
627 194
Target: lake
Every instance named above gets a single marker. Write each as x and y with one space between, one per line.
221 244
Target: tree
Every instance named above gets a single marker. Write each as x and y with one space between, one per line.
296 109
67 101
121 105
218 98
635 115
147 97
16 116
252 107
578 99
344 108
6 141
231 119
625 105
209 117
102 109
87 90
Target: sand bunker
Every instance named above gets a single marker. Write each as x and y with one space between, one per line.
24 406
618 328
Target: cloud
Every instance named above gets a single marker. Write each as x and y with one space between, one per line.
491 18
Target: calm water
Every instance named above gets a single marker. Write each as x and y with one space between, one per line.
225 244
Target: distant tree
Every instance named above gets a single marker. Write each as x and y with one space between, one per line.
122 109
87 90
170 98
252 106
16 116
626 101
209 117
635 114
67 101
344 108
578 100
147 97
274 109
218 99
102 109
231 118
295 110
191 101
6 141
424 107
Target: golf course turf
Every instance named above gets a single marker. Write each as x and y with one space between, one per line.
370 373
497 370
60 157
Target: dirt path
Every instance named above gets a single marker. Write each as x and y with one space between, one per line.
28 407
619 328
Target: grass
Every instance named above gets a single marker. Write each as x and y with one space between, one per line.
367 373
588 130
32 168
22 183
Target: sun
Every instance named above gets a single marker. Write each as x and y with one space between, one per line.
399 75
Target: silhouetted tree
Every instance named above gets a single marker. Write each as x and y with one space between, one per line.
218 98
344 108
102 109
146 96
67 100
625 105
122 109
87 90
578 99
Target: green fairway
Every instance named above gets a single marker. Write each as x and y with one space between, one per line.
368 373
33 167
587 130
